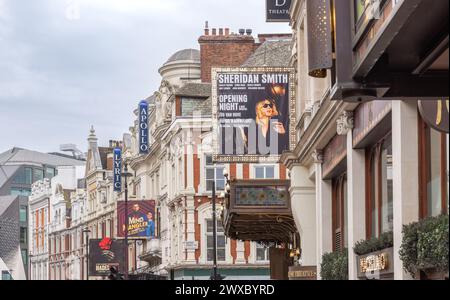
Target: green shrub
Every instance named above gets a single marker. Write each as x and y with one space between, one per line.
335 266
425 245
385 241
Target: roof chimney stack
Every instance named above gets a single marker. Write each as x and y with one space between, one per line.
206 28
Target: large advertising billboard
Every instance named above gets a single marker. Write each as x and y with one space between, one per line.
253 114
104 254
141 219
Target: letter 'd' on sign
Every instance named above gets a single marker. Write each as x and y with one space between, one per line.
278 10
143 127
117 170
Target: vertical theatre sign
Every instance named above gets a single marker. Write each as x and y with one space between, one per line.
117 170
278 10
253 114
143 127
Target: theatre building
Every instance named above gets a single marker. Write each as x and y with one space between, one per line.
372 156
178 172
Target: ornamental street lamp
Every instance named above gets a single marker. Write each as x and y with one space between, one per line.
126 175
86 231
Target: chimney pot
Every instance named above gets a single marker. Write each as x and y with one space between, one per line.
206 31
220 31
214 31
241 31
227 31
249 31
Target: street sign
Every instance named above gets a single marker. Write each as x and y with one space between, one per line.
278 10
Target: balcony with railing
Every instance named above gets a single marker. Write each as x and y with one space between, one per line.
153 254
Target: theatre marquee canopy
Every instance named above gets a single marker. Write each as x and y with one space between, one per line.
260 211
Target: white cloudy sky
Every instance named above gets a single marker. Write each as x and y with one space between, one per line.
69 64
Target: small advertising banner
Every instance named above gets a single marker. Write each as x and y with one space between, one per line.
278 10
253 114
117 170
104 254
141 219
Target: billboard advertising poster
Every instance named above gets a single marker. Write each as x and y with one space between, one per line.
278 10
104 254
141 219
253 114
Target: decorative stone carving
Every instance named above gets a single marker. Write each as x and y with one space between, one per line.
345 123
318 156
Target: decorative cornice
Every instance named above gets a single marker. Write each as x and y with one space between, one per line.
318 156
345 123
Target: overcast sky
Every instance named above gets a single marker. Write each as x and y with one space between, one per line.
69 64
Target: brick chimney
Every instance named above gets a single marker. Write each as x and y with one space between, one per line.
224 50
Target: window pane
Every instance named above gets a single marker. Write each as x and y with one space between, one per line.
23 214
50 173
209 226
270 172
259 173
221 255
221 242
387 216
20 192
209 242
261 254
219 173
374 195
210 255
23 176
209 185
38 175
23 235
210 173
209 160
434 186
6 275
24 257
220 185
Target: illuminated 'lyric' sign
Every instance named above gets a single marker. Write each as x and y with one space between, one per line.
117 170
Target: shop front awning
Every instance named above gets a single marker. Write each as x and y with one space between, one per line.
260 211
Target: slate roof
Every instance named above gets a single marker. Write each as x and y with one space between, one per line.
196 90
271 54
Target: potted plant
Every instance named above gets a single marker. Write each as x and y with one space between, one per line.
425 248
335 266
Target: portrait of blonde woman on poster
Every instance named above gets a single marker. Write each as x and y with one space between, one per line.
269 125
